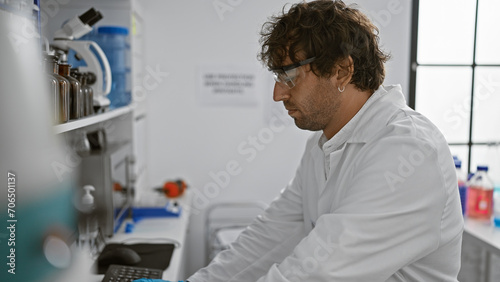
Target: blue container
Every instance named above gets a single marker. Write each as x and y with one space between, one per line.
462 183
113 41
496 206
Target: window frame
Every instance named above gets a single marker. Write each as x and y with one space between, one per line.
413 76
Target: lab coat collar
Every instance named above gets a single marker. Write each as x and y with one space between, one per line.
386 102
345 135
390 95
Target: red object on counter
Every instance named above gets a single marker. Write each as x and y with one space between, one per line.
174 189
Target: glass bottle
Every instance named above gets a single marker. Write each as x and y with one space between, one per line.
90 80
480 195
75 94
85 91
88 94
53 91
62 103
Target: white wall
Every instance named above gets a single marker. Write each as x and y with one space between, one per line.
186 139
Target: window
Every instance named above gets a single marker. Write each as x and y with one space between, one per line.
455 76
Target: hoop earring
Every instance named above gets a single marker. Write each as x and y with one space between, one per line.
341 90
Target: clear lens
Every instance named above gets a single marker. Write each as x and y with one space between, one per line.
288 77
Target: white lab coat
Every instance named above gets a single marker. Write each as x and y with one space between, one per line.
377 202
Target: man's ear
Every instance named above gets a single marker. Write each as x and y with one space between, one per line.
343 72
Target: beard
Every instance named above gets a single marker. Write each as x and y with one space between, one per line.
315 111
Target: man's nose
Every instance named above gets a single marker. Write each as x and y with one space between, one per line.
281 92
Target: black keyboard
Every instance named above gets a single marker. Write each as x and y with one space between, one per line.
123 273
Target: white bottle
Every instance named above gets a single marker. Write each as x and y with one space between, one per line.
88 227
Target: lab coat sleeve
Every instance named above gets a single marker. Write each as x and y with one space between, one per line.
268 240
390 216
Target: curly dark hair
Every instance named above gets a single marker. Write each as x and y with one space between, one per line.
330 31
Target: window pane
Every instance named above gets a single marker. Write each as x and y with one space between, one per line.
490 156
486 119
446 31
443 95
488 35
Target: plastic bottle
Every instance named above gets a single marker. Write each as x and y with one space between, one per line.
88 227
496 206
113 41
480 195
462 184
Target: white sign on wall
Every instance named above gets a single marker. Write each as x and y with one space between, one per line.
227 85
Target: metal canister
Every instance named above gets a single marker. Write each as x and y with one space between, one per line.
54 95
76 102
61 95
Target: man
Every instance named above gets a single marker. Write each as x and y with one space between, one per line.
375 197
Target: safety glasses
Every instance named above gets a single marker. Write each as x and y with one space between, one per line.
288 74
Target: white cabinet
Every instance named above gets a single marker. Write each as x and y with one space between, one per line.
480 252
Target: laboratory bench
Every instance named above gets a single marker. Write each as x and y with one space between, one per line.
480 234
160 230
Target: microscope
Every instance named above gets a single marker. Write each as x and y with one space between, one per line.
97 63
